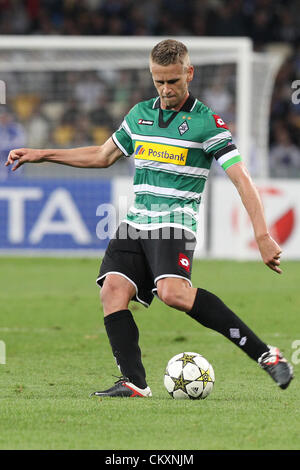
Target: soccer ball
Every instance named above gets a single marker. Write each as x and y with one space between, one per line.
189 375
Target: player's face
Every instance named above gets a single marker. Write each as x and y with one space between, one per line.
172 82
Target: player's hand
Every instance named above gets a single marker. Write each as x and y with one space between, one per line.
18 157
270 252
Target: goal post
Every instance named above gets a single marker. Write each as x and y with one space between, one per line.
74 91
35 53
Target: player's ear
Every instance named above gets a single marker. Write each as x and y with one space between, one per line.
190 73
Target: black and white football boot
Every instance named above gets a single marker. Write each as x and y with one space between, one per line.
124 388
277 366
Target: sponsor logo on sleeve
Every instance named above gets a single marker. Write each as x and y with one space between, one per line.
219 121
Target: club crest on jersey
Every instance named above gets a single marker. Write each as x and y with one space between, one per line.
184 262
183 128
145 122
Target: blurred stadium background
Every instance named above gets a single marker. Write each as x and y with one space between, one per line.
69 72
70 79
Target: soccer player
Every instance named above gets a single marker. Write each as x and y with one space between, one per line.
173 139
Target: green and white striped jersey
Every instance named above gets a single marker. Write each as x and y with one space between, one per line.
173 153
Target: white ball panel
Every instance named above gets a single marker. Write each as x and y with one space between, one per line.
174 369
191 371
195 389
169 384
179 395
201 362
207 390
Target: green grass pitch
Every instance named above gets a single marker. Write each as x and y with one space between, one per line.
57 353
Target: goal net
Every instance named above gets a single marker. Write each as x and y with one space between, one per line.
66 92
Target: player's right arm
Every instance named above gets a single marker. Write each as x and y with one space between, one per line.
101 156
218 142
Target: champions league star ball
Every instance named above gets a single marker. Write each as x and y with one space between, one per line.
189 375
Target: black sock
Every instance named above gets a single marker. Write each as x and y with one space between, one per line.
212 313
123 335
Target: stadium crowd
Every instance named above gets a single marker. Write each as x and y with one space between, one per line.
84 121
263 20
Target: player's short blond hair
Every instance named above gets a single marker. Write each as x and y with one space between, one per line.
170 51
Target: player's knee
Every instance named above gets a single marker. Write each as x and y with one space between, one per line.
109 290
115 294
175 293
169 295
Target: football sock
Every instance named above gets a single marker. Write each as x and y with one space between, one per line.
123 335
212 313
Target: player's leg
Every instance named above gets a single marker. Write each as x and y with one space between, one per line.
121 327
172 264
206 308
211 312
119 278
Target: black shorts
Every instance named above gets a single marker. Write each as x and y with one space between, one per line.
145 256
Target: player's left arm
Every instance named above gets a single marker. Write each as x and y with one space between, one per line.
270 251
